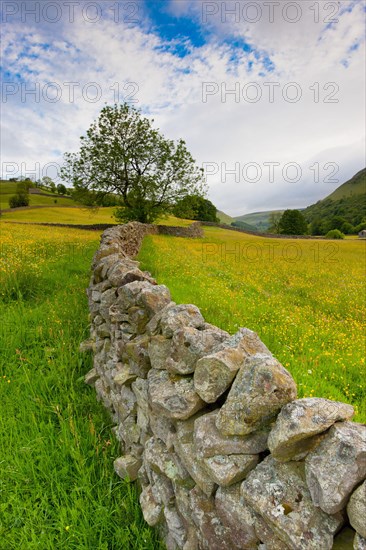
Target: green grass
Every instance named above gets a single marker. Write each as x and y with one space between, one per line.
58 489
309 311
77 215
352 187
38 200
62 214
8 189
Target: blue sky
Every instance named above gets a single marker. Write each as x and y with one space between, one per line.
270 104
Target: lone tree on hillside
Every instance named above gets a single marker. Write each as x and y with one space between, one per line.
61 189
123 154
292 222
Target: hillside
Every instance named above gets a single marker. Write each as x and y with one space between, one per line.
348 201
260 220
354 186
244 226
224 218
37 197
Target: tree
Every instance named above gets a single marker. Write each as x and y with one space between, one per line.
274 222
48 182
347 229
194 207
292 222
122 153
61 189
24 186
336 222
360 227
316 227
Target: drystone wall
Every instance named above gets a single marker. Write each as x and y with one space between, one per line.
210 425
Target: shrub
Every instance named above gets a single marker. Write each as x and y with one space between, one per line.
20 199
334 234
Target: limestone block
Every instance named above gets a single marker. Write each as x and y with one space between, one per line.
278 492
172 396
210 442
337 466
127 467
356 510
295 431
237 516
261 388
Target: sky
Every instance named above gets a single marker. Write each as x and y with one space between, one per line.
268 95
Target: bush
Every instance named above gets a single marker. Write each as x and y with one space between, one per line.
20 199
334 234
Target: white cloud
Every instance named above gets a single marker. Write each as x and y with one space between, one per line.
170 89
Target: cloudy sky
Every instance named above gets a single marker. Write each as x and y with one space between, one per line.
269 96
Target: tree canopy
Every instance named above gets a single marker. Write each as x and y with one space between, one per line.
123 154
194 207
292 222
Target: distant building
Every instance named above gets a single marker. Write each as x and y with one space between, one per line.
362 234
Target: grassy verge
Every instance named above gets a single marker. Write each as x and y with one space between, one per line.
76 216
57 484
305 298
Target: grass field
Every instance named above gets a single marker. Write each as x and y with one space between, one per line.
57 485
79 216
58 489
305 298
62 215
8 189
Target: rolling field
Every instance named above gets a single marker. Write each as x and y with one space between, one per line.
72 215
76 215
8 189
305 299
58 489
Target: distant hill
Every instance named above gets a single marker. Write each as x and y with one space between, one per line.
348 201
258 220
224 218
243 225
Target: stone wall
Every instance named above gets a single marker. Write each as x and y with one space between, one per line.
210 425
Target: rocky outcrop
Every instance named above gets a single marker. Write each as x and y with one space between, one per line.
210 426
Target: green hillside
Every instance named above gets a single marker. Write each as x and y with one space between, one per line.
348 202
224 218
354 186
37 197
243 225
259 220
